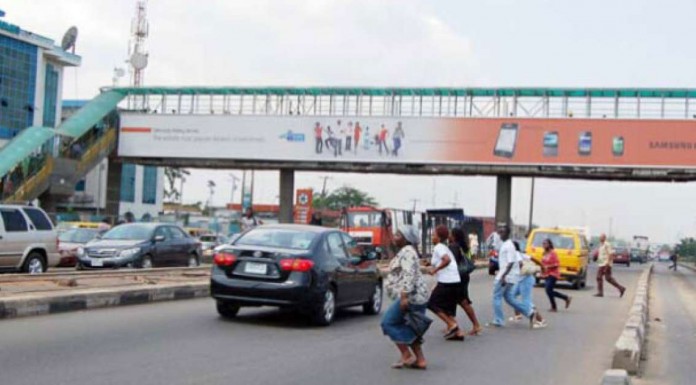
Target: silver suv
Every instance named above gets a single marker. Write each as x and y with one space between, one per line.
28 240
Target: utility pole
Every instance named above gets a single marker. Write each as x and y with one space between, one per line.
531 206
234 178
323 188
415 201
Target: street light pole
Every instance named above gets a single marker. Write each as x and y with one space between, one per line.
531 207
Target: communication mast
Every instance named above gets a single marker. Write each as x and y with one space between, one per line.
137 56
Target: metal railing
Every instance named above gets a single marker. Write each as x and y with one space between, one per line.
620 103
97 151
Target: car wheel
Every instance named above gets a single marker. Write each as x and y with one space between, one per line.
227 310
193 261
145 262
34 264
374 304
326 311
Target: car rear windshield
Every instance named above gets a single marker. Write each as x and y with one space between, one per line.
125 232
281 238
78 235
559 240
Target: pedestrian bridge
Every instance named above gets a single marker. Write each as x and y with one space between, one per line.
613 134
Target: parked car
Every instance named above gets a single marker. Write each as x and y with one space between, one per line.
140 245
65 226
622 256
28 240
314 270
208 244
69 241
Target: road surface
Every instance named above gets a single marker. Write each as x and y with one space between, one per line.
185 342
672 336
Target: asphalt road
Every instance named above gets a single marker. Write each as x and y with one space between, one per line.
186 342
672 336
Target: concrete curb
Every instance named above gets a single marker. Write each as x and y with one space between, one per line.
33 305
629 349
616 377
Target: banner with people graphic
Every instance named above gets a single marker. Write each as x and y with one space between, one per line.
581 142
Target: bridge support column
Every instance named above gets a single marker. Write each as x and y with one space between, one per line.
287 194
113 190
503 199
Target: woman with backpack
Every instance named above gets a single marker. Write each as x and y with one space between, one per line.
459 246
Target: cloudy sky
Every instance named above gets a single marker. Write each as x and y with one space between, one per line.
591 43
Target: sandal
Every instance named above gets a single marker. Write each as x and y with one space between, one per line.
401 364
455 338
475 332
452 332
416 366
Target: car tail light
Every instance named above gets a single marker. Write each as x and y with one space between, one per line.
296 264
224 259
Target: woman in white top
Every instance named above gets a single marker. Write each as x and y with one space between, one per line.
443 300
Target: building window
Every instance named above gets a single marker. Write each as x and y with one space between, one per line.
128 183
80 186
149 185
50 96
17 86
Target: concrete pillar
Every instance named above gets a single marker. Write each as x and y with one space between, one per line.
113 189
503 199
287 195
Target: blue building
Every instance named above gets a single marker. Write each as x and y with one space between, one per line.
31 78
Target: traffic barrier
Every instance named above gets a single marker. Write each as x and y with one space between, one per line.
616 377
32 305
629 349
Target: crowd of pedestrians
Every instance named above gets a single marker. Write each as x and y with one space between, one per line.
405 322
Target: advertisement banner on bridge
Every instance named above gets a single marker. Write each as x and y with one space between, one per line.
575 142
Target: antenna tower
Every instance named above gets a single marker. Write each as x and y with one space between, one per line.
137 56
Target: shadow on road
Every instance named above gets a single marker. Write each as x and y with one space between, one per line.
281 318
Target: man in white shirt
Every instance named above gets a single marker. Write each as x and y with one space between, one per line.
508 275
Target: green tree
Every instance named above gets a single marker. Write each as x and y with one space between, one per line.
343 197
687 248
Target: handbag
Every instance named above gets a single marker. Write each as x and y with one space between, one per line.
466 266
529 268
418 322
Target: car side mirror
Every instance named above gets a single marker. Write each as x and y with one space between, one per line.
159 238
370 256
355 260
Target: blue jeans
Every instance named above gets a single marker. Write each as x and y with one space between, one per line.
507 292
394 323
523 289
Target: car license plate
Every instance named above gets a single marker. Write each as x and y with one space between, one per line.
255 268
97 263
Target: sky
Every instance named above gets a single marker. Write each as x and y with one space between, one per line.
459 43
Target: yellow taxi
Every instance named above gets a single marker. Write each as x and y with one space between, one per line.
64 226
571 247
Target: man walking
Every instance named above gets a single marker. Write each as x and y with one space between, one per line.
605 259
508 275
674 257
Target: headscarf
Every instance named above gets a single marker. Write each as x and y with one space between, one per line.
410 233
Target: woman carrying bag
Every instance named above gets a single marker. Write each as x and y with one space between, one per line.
405 321
459 246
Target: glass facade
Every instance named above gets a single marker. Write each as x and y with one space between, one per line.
17 85
128 183
149 185
50 96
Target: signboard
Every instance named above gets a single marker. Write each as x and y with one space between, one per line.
574 142
303 205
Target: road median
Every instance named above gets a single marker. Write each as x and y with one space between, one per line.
629 349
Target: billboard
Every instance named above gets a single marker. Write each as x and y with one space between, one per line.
484 141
